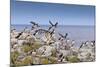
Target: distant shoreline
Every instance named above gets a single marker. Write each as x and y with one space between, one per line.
49 25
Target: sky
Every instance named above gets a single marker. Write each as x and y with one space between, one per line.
65 14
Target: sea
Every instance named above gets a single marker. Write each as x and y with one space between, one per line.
75 32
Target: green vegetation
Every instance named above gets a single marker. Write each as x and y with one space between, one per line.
72 59
36 45
31 46
17 63
44 61
27 60
14 55
14 66
27 48
53 53
53 60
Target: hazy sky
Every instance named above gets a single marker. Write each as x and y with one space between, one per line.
64 14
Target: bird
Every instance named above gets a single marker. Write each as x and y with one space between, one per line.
26 30
82 45
66 35
40 31
19 34
93 42
73 43
87 42
52 25
34 25
13 30
60 55
62 36
52 32
35 32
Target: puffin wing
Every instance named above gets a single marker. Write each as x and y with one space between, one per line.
61 35
50 22
33 23
66 35
56 24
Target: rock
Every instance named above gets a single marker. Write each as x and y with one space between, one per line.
13 41
36 60
33 54
45 51
66 52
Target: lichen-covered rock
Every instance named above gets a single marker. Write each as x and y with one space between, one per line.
45 51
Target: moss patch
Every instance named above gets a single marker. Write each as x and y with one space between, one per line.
73 59
36 45
27 60
53 53
27 48
14 55
53 60
44 61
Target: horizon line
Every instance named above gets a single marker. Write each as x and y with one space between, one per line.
58 25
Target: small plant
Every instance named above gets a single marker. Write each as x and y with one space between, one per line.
53 53
27 60
27 48
36 45
17 63
44 61
14 55
72 59
53 60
